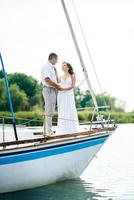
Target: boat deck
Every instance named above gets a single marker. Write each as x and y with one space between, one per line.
37 138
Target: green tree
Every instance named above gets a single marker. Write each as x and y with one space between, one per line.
1 74
26 95
29 85
3 99
86 100
78 97
83 99
106 100
19 98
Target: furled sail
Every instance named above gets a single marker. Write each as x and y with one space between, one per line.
79 54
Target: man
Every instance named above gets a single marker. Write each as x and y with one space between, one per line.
50 86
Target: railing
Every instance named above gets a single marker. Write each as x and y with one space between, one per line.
93 108
97 120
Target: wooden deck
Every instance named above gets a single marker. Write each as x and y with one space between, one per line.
11 145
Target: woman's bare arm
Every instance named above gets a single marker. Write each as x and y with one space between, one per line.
73 80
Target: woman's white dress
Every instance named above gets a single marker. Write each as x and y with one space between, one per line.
67 113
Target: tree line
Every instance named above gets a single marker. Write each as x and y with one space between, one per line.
26 94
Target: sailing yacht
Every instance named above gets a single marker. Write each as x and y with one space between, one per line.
31 163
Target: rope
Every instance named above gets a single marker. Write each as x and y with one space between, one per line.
32 120
66 119
81 83
85 41
41 120
37 119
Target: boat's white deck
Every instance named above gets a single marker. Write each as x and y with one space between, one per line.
27 138
27 133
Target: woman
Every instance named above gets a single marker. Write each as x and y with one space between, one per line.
67 114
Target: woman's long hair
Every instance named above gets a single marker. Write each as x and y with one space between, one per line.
70 68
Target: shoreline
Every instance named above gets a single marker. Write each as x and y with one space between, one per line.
35 118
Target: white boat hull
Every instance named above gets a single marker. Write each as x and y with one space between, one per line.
29 171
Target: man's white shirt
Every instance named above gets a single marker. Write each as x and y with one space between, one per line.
48 71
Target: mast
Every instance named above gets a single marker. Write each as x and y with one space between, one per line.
9 97
79 54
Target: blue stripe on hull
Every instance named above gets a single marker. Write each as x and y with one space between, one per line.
50 152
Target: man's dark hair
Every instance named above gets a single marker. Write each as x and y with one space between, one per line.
52 55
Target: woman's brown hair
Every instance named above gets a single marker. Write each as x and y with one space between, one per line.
70 68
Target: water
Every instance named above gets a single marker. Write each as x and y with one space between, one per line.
110 176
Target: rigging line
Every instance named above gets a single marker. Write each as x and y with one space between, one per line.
85 41
81 83
35 119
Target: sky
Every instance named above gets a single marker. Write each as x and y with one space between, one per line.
31 29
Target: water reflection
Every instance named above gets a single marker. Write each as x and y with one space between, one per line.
68 190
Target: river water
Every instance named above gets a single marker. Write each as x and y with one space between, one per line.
110 176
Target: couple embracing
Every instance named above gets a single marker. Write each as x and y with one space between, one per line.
59 89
